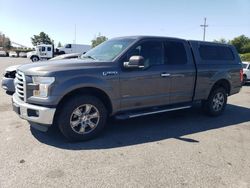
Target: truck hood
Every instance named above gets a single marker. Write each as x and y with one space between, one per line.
245 70
12 68
47 68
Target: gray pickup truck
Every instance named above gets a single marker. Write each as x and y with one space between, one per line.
126 77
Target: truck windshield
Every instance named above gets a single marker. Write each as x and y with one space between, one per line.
108 50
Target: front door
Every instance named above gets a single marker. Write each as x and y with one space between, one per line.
68 49
42 52
45 52
150 85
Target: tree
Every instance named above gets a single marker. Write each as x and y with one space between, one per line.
5 41
42 38
246 48
245 57
240 43
59 45
98 40
7 44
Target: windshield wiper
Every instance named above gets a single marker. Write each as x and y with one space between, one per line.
88 57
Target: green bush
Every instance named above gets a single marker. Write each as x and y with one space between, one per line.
245 57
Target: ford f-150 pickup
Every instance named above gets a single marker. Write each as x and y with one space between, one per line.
126 77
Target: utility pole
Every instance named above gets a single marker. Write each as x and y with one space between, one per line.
75 33
204 28
75 39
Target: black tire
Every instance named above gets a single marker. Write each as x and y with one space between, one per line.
244 79
10 92
62 52
34 58
66 114
214 106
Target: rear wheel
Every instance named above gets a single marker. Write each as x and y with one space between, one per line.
216 102
82 118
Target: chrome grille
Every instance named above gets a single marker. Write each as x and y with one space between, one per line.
20 85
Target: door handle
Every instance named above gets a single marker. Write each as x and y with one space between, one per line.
165 74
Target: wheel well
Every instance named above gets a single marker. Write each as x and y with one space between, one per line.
34 56
222 83
89 91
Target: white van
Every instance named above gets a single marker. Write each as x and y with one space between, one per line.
73 48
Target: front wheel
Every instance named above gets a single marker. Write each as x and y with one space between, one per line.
244 79
82 118
35 59
216 102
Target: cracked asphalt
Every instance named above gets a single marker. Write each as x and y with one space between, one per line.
178 149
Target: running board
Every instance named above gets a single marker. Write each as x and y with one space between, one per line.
145 113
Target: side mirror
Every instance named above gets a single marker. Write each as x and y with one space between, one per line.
135 62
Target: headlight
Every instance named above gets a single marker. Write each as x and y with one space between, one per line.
44 84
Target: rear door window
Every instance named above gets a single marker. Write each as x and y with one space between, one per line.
215 53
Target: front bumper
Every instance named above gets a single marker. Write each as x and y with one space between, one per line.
33 113
8 84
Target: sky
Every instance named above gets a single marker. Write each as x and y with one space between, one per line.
20 20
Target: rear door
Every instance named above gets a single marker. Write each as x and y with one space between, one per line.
181 69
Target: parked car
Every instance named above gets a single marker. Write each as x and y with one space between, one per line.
10 72
8 79
13 54
22 54
246 71
126 77
3 53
